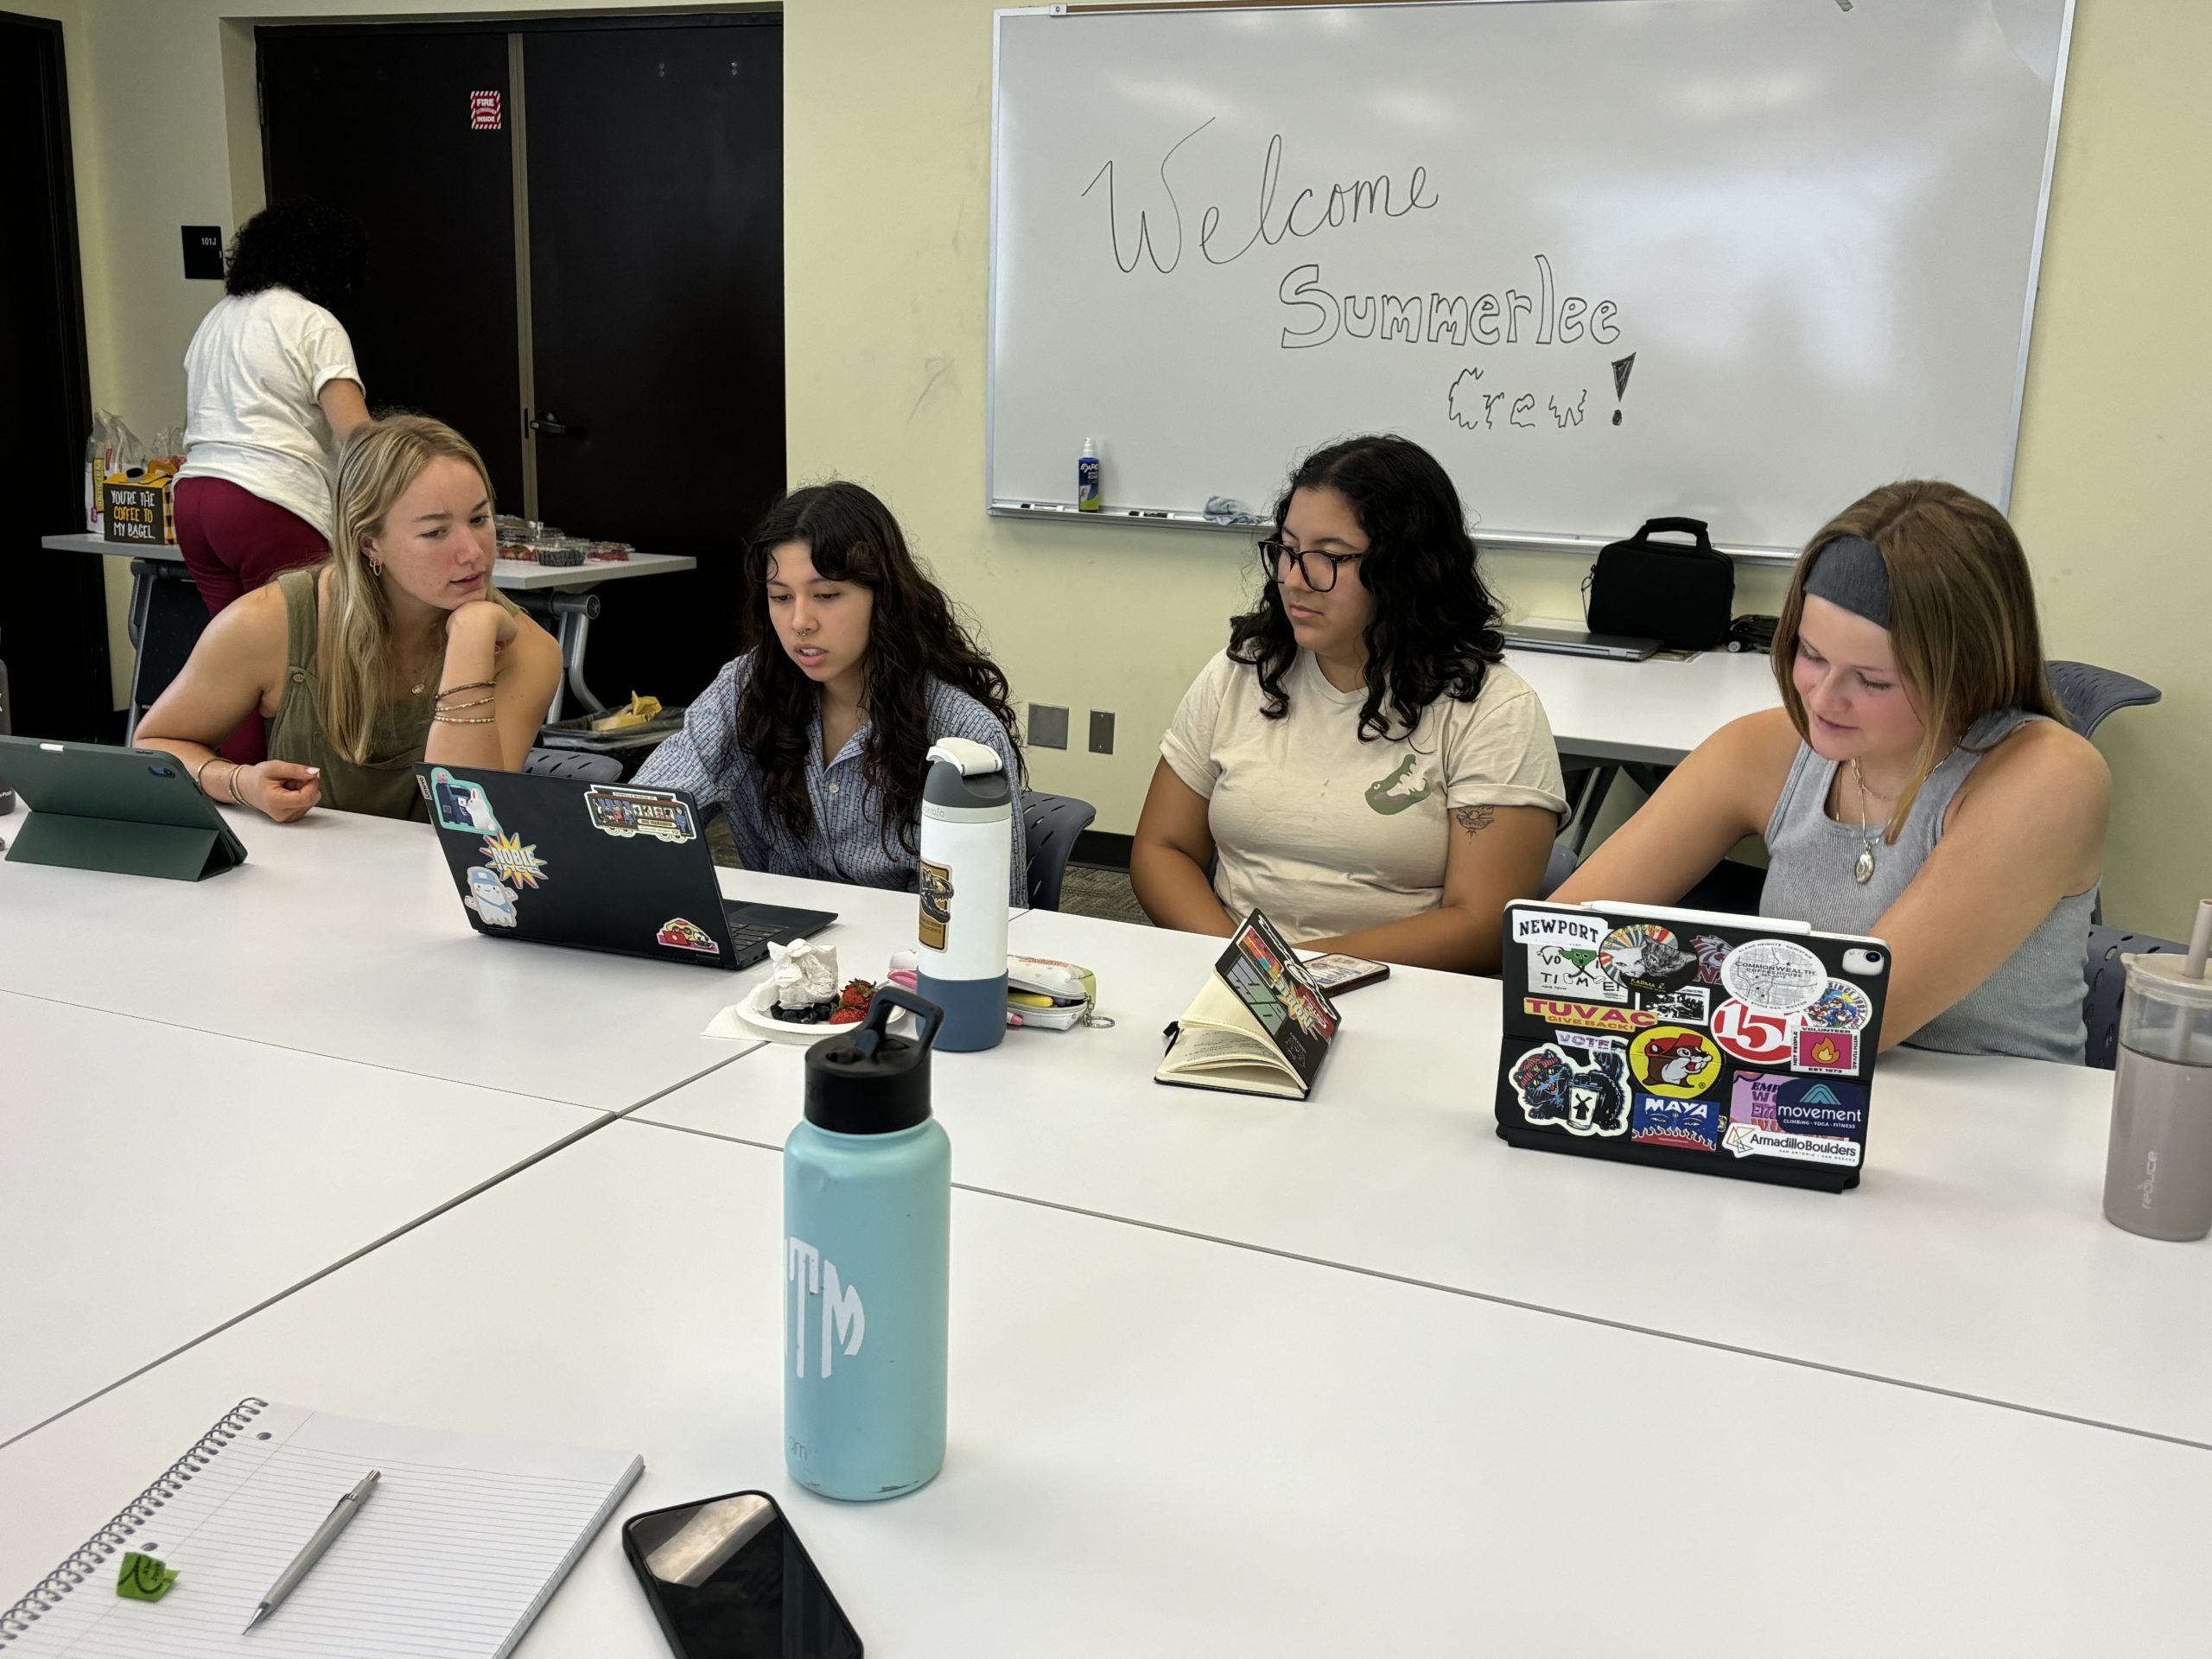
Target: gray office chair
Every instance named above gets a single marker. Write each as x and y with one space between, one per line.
2091 693
2106 979
175 617
1563 863
1050 824
2088 694
574 763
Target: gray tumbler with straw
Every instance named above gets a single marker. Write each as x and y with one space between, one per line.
2159 1170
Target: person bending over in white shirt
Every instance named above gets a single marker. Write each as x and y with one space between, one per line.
1359 763
271 390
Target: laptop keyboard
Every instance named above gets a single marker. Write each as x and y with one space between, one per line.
744 936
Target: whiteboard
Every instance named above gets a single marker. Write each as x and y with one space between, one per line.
1742 260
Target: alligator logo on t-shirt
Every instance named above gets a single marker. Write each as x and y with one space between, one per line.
1387 795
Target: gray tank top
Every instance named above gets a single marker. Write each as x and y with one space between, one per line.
2031 1005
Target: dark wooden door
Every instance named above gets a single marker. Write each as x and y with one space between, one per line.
52 605
379 121
657 282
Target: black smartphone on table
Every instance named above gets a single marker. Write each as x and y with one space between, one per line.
1336 972
728 1578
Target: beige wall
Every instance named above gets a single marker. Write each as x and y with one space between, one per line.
888 178
2119 419
887 382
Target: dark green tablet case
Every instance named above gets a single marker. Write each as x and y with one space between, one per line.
130 812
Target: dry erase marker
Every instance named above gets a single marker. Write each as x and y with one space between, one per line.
311 1552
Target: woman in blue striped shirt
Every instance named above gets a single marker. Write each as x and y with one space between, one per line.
813 744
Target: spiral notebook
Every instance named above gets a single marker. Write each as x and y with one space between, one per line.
465 1539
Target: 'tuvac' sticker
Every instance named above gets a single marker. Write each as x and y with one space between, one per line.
1589 1016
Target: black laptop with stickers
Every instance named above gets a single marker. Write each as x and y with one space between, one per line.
601 866
1725 1044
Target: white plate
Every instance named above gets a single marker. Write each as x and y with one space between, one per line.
752 1013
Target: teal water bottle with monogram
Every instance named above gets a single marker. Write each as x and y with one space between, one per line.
868 1246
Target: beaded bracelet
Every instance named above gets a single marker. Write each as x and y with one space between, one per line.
466 720
455 708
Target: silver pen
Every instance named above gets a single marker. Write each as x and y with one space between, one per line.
311 1552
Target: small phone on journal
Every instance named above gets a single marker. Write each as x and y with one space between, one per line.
728 1578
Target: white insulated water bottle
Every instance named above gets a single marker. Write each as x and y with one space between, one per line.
966 859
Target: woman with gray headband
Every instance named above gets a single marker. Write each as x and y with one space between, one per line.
1919 783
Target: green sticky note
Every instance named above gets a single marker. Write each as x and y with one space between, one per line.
144 1579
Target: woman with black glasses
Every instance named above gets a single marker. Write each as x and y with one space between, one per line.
1359 763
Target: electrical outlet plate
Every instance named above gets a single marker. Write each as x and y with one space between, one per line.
1048 726
1101 732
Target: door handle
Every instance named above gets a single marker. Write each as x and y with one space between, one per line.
550 425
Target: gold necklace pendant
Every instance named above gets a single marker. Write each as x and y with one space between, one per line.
1862 869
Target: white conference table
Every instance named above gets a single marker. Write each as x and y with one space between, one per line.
1654 712
342 935
572 618
157 1182
1163 1446
1973 1257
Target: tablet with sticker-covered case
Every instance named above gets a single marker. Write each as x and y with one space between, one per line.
1721 1045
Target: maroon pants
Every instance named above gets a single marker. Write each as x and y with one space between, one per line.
235 542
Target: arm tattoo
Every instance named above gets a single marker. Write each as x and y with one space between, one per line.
1474 819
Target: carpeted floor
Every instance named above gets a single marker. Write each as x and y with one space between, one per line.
1088 891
